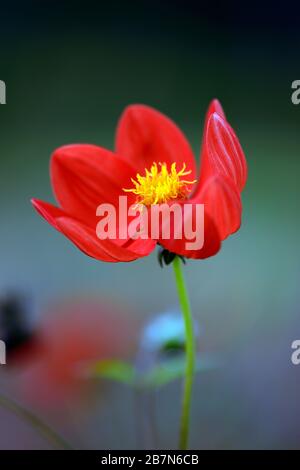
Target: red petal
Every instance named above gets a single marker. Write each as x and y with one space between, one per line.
212 242
222 217
86 240
49 212
145 136
214 107
221 151
84 176
53 214
223 204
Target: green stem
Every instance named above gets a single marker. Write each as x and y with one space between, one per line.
190 353
52 437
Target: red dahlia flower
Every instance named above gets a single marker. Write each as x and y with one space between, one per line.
153 163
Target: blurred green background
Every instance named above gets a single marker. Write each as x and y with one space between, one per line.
70 69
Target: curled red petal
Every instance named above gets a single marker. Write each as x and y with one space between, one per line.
214 107
221 151
145 136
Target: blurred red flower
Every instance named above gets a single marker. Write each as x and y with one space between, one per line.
149 146
70 336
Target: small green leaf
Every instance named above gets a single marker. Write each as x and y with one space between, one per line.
118 371
162 374
173 369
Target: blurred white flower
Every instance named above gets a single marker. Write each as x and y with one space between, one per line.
164 332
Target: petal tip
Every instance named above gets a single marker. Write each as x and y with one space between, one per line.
216 107
35 203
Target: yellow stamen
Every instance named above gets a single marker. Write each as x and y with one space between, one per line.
159 185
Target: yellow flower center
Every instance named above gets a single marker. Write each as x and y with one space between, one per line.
160 185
